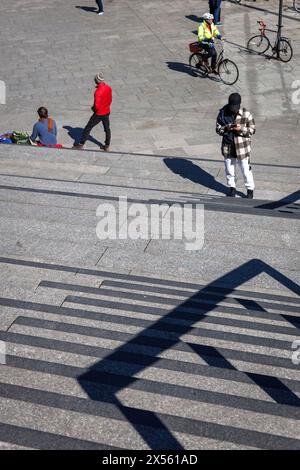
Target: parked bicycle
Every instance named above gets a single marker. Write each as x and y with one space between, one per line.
227 70
296 5
260 43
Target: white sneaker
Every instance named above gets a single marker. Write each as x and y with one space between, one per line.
101 13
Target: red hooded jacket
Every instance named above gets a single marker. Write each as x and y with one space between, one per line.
102 99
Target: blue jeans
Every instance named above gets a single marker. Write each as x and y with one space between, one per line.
100 5
217 11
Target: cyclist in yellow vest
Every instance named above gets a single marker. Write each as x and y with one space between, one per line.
207 32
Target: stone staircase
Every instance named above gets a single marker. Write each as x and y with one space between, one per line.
139 344
101 360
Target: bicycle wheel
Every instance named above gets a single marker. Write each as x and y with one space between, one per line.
285 50
228 72
297 5
195 61
258 44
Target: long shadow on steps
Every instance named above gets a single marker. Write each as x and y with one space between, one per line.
148 424
196 174
290 199
279 392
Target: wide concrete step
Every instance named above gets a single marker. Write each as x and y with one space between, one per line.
155 172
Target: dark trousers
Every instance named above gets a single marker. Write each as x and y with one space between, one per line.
94 121
100 5
210 52
215 9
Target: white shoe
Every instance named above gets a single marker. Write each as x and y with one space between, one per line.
101 13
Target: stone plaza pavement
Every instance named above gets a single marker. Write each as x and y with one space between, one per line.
141 344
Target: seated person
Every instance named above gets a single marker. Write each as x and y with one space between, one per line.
207 31
45 129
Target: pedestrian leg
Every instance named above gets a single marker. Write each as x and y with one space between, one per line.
213 58
216 14
247 174
217 19
230 164
106 127
100 6
94 120
207 53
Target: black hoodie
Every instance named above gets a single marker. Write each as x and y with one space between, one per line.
225 118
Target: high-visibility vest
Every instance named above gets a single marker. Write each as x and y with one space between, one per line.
204 32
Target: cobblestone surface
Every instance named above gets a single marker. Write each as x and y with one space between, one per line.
53 49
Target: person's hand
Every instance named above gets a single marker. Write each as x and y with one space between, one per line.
237 127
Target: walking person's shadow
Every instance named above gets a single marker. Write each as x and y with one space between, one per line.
196 174
75 134
195 18
88 9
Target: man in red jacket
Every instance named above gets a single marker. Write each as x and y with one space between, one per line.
101 109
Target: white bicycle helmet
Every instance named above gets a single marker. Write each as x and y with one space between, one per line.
208 16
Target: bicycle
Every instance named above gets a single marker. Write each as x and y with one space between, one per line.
260 43
226 69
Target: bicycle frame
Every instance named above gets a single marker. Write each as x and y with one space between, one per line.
263 28
220 57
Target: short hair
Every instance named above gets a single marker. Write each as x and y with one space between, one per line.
43 112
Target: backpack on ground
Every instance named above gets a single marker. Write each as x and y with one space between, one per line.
20 138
